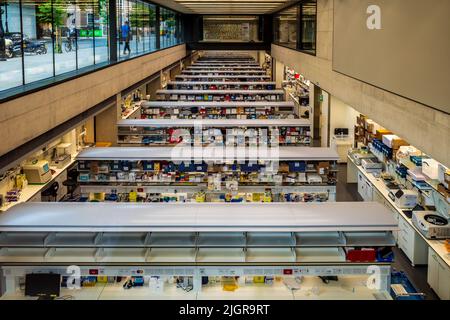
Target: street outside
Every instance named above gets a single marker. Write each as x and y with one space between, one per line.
38 67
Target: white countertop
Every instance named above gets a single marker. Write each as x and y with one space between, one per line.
196 217
213 122
437 245
242 76
32 189
245 72
208 153
242 83
214 104
216 92
208 67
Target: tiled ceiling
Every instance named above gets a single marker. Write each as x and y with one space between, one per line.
231 6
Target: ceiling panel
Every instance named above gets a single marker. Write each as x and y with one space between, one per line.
232 6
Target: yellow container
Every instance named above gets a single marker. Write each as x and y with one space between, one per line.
102 279
103 144
258 279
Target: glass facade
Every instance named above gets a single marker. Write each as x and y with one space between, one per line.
295 27
41 39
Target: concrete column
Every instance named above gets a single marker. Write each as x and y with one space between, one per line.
105 124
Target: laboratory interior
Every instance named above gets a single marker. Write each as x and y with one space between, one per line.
224 150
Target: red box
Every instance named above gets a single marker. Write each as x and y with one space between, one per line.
93 272
287 271
361 255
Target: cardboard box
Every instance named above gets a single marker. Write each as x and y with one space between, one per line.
380 133
323 167
283 167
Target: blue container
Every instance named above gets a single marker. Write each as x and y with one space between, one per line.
115 166
399 277
250 167
148 165
297 166
126 165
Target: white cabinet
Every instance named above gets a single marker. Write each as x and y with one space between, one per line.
365 188
438 275
411 243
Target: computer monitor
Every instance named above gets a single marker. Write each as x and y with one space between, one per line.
42 284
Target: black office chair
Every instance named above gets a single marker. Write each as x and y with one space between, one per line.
51 191
71 183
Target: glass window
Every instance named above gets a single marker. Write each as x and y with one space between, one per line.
308 27
84 28
167 28
101 31
285 27
10 43
295 27
40 39
65 16
37 40
152 28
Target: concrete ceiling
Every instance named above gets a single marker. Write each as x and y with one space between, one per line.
226 6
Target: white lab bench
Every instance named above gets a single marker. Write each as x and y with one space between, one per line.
32 192
409 239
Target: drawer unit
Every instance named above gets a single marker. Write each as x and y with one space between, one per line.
438 275
365 188
411 243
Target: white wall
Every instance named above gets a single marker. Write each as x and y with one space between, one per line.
342 116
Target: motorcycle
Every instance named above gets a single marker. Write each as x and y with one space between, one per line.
34 46
14 49
13 42
9 49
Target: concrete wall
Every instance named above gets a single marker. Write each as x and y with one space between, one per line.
423 127
29 116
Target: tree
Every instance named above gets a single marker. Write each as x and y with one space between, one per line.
53 14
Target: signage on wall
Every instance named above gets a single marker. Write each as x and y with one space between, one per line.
374 20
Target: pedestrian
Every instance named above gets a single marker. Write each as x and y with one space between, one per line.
126 37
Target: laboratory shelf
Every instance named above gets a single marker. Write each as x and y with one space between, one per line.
23 255
225 72
220 92
221 239
174 255
224 77
207 154
172 239
21 239
233 83
121 255
229 255
319 239
71 239
369 238
69 255
118 239
270 255
280 239
170 123
321 254
227 68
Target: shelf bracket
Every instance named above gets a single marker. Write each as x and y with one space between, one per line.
99 253
3 251
147 253
147 239
98 238
49 253
50 237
